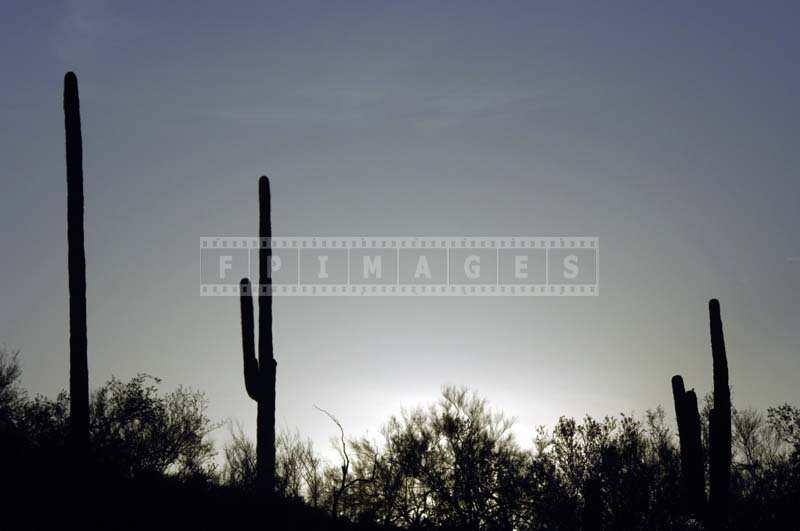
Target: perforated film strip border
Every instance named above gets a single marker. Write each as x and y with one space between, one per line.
391 266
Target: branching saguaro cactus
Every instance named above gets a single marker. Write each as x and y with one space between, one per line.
76 263
719 435
719 424
692 462
259 375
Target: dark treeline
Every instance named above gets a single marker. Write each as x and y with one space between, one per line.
454 464
149 464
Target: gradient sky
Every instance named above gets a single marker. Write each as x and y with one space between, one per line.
668 131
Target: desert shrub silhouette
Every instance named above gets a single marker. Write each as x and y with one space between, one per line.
451 465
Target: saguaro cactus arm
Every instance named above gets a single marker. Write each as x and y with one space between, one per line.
692 468
697 468
248 340
678 394
76 264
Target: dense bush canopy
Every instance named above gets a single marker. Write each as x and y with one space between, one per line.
454 464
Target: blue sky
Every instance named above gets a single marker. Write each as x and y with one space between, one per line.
669 131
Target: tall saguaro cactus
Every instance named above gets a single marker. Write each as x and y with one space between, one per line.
719 424
259 375
692 465
76 263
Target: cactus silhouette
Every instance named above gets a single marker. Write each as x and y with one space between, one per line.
259 375
719 434
692 463
76 263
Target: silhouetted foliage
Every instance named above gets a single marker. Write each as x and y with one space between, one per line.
299 473
457 465
134 430
298 470
10 392
137 431
239 471
785 420
452 465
